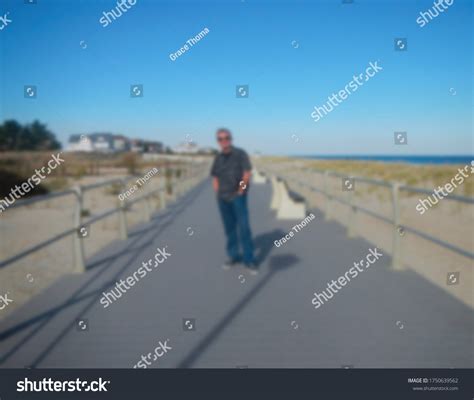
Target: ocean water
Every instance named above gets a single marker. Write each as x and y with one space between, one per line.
466 159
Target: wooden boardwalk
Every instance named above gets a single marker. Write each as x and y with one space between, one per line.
381 318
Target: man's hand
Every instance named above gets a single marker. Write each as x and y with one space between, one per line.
244 183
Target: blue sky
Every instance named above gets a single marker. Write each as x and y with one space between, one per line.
249 42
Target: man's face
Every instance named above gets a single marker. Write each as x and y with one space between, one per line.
224 140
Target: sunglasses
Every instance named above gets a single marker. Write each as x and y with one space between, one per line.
223 138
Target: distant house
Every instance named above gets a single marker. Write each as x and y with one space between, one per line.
79 143
153 147
98 142
137 145
121 143
110 143
186 148
145 146
102 142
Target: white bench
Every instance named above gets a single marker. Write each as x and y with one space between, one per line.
286 204
257 177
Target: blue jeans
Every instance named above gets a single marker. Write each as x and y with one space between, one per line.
235 217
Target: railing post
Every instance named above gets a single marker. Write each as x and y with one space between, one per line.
78 251
192 176
173 186
147 208
396 261
163 193
327 208
179 184
351 223
189 182
3 253
184 178
122 216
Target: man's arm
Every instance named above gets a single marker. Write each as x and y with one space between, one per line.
244 183
215 184
215 181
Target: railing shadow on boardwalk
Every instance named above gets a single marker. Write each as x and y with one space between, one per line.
159 221
276 264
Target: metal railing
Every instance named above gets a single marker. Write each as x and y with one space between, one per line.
395 189
187 180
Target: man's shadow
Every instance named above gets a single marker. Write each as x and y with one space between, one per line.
276 264
263 244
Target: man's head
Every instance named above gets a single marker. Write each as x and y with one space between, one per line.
224 138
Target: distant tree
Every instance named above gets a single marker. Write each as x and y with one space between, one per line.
34 136
9 180
10 132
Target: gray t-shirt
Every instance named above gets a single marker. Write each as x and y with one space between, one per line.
229 168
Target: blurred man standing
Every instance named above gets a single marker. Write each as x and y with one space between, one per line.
230 178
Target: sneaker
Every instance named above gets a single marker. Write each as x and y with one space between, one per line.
228 264
252 268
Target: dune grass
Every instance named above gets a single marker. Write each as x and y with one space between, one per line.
423 176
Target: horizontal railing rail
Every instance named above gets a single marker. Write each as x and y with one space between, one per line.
178 187
37 199
46 197
394 220
37 247
455 197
